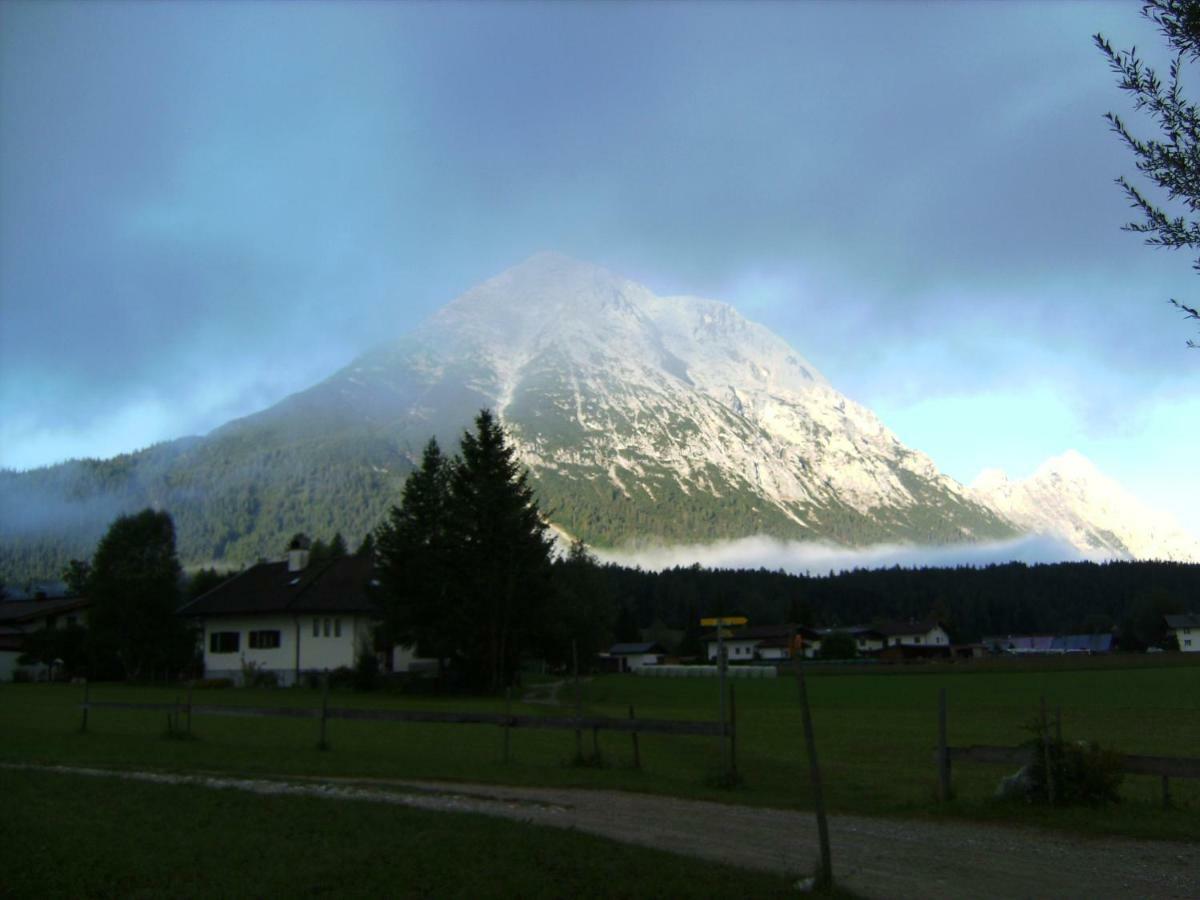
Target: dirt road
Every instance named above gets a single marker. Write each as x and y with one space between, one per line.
874 857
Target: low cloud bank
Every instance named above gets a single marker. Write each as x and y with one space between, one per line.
801 558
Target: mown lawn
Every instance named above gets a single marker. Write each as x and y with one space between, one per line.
79 836
876 731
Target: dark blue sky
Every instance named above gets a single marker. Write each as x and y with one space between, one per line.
206 206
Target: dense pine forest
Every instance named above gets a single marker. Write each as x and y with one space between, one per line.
1082 597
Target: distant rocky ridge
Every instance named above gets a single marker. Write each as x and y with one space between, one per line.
641 418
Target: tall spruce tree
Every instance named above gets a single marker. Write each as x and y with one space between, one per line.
134 589
501 556
413 560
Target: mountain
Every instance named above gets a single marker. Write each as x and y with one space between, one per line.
641 418
1070 497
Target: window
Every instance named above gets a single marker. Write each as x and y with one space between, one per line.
316 627
223 642
264 640
337 627
1187 642
326 628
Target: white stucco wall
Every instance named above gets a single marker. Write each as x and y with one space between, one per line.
1188 638
735 650
335 644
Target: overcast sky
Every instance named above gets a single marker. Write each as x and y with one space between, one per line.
207 206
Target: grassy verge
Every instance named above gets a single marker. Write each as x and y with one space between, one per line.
92 837
875 734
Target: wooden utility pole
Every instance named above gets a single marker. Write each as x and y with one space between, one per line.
825 876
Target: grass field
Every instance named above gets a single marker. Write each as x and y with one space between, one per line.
92 837
875 732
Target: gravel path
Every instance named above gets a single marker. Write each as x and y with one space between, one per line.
874 857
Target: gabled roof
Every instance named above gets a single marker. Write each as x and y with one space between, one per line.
1183 620
338 585
17 611
896 629
755 633
631 649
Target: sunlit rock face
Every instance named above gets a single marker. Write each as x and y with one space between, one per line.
646 417
1070 497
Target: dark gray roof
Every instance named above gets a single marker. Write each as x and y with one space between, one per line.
629 649
15 611
1183 620
338 585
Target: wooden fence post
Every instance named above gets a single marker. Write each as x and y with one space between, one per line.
1050 792
637 756
86 689
189 707
825 876
323 744
578 704
943 754
1058 724
507 720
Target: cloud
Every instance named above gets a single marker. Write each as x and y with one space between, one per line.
801 558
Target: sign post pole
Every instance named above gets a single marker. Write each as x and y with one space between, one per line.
720 622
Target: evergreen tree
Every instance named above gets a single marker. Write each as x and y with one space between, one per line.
585 610
337 547
134 589
412 554
500 556
76 576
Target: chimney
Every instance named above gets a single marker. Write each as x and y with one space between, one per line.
297 559
298 553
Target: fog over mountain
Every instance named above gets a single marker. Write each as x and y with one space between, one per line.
645 421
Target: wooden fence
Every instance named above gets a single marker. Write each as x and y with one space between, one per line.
1165 767
179 719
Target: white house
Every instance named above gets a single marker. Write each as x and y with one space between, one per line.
752 643
1186 628
630 657
19 618
289 618
913 634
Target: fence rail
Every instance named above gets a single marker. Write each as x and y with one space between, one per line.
601 723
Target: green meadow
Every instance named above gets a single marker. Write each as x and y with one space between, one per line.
94 837
876 731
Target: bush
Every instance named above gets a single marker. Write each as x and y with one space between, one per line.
1081 772
254 675
341 677
212 683
366 670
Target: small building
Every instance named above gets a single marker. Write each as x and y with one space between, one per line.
20 618
289 618
928 633
630 657
755 643
1186 629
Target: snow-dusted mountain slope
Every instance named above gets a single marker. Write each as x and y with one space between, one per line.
1068 496
645 417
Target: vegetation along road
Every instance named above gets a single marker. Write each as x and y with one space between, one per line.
874 857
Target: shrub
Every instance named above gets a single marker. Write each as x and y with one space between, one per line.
1081 772
254 675
366 670
212 683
